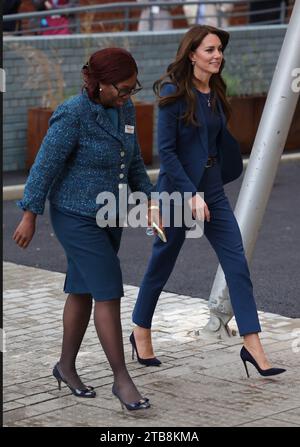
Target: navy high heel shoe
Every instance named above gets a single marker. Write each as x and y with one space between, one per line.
147 362
86 392
247 357
142 404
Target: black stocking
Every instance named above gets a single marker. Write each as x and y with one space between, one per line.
109 329
76 317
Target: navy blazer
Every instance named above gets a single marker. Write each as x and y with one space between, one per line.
183 149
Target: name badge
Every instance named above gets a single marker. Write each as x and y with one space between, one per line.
129 129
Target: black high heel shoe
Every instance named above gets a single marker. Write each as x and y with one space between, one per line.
86 392
147 362
142 404
247 357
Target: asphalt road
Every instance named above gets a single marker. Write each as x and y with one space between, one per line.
275 267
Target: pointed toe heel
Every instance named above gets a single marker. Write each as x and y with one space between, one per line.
142 404
247 357
146 362
87 392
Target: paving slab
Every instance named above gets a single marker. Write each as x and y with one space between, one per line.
201 382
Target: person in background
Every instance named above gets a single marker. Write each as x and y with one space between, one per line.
56 23
11 7
271 17
155 18
207 14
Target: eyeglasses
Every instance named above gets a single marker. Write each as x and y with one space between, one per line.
126 91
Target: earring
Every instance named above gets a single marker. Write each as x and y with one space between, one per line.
193 62
100 89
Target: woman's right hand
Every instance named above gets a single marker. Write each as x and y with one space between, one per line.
199 208
25 230
154 216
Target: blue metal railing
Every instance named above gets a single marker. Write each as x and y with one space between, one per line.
78 23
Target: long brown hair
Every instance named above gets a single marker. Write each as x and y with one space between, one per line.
180 73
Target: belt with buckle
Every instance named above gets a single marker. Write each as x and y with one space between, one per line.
211 161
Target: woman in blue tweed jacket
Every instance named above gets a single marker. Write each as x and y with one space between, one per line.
90 147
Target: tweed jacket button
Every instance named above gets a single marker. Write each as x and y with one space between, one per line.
122 154
121 175
122 166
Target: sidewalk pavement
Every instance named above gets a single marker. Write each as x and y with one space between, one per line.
201 382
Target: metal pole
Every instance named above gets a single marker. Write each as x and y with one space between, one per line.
126 18
151 19
263 163
75 17
282 11
219 14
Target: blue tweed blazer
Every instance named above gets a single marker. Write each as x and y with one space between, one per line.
83 155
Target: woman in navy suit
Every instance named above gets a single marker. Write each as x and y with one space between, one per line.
91 147
198 154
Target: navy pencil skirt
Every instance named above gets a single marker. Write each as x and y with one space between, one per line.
92 255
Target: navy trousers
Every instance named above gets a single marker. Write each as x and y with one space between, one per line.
224 236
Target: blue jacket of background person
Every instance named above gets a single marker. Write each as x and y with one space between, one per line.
183 149
83 155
